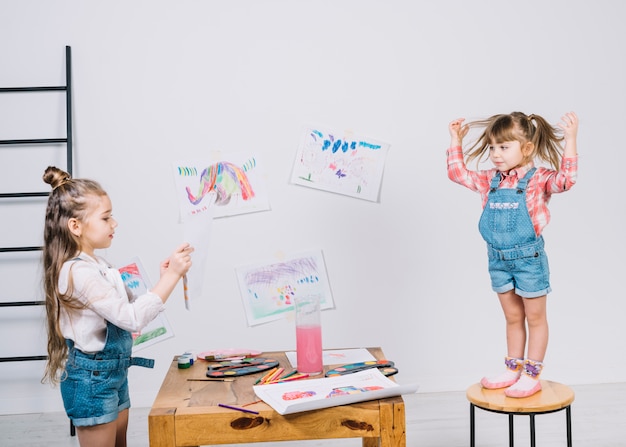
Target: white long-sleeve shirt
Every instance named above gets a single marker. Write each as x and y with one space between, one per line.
102 290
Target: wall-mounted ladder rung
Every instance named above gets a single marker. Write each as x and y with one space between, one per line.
33 89
36 141
22 303
19 249
13 195
23 358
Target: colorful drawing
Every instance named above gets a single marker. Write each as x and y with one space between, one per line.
348 390
230 187
137 283
294 395
225 180
340 162
267 289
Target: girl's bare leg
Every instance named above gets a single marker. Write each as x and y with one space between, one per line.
112 434
515 316
537 320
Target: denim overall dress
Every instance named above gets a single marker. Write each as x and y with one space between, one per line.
517 260
95 386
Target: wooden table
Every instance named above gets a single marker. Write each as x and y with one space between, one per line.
186 413
552 397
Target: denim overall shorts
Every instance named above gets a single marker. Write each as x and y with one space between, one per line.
95 387
517 260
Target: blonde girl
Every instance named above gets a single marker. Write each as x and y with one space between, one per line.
515 195
90 317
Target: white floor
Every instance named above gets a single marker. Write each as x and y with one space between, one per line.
433 420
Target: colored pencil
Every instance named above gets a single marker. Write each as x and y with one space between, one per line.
277 373
294 377
293 372
186 291
262 379
237 408
252 403
289 379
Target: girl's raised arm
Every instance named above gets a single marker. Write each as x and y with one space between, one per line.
457 132
569 125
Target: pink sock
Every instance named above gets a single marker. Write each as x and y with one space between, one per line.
528 383
506 378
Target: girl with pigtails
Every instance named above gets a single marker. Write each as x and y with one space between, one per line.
515 195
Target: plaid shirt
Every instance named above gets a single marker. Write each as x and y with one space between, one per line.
541 186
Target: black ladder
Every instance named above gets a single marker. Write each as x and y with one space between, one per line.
67 142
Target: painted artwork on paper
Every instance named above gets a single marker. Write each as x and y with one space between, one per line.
231 185
268 289
340 162
136 282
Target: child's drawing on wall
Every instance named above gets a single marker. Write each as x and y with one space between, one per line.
340 162
233 185
267 289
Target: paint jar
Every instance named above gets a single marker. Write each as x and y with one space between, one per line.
191 356
184 362
308 334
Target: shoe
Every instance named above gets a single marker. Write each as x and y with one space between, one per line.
528 383
494 383
523 391
507 378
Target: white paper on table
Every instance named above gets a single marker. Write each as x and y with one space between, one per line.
305 395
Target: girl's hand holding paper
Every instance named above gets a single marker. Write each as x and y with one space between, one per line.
179 263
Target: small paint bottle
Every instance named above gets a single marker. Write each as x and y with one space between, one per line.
184 362
191 356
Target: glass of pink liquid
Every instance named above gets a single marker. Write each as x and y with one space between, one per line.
308 334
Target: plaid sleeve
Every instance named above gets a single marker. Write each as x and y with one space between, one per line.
563 179
477 181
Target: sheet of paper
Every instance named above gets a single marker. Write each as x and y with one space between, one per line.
337 356
340 162
232 183
137 283
268 288
197 231
305 395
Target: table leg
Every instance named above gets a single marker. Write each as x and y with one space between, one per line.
511 431
161 428
532 430
392 424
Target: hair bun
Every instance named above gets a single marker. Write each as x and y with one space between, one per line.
56 177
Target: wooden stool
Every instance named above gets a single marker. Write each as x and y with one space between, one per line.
552 397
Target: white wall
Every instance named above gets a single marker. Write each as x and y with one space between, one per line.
156 81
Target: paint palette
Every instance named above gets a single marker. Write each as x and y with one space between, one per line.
385 366
242 367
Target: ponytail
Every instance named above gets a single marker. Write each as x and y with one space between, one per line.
546 141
